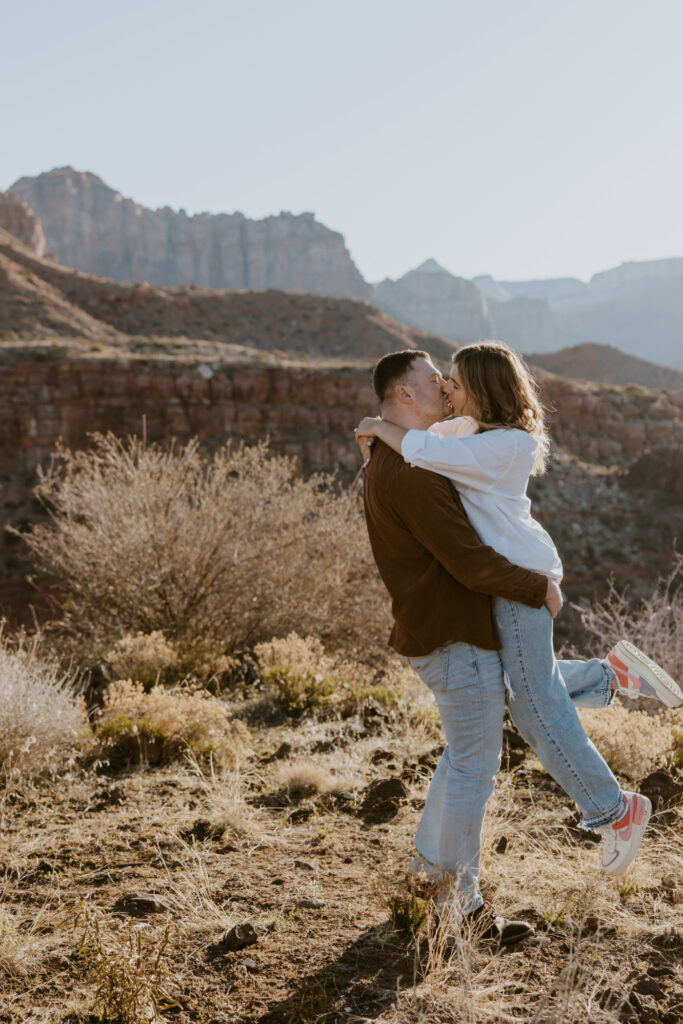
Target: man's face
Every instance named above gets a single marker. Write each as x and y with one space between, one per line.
426 387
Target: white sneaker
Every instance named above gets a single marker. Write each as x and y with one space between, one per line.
623 837
640 676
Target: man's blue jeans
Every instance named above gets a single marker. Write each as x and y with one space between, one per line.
469 685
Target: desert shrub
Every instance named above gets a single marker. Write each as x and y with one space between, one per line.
40 713
128 968
216 553
296 670
632 742
655 624
162 725
302 676
145 657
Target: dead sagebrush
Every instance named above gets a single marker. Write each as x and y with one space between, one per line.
128 967
144 657
655 624
161 725
40 713
216 553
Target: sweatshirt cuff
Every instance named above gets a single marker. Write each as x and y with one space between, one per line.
411 444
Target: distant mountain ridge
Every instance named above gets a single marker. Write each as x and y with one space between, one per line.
636 307
93 228
603 364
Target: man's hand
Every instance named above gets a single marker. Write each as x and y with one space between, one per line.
553 598
365 435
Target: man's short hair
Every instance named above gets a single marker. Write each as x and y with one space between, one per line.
392 369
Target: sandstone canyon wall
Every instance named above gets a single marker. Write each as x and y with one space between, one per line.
93 228
19 220
308 411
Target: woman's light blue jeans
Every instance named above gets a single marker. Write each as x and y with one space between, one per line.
469 685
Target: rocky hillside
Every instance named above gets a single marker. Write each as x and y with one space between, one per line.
606 365
434 300
93 228
40 299
17 218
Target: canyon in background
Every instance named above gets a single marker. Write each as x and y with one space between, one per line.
80 354
637 307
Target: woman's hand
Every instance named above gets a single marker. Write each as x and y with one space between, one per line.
553 598
365 435
368 426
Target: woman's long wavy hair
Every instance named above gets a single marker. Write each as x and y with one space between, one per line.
498 382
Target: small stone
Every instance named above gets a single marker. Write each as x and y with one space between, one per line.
502 845
239 936
136 905
304 865
310 903
383 799
249 964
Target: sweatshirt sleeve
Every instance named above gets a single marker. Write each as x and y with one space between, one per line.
432 512
480 461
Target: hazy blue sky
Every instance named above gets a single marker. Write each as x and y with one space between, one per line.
521 138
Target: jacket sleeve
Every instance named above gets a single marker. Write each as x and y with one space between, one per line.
480 461
431 510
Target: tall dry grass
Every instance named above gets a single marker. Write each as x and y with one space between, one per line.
40 712
654 624
214 553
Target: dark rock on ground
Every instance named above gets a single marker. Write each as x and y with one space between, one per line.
239 936
382 800
137 905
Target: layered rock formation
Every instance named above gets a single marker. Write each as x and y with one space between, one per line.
93 228
433 299
19 220
42 299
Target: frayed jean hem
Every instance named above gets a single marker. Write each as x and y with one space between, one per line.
592 824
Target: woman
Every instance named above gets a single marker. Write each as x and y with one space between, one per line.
497 440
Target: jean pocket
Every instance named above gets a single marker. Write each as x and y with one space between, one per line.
431 668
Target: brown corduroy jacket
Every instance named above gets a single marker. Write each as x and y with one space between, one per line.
439 574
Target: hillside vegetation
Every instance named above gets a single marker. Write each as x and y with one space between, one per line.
219 828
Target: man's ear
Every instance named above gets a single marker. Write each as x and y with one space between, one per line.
402 394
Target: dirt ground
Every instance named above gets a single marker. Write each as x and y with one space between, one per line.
301 843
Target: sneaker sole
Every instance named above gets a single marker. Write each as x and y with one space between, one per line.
638 833
664 686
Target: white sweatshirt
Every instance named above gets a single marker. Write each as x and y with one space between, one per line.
491 471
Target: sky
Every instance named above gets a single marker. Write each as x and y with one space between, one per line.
518 138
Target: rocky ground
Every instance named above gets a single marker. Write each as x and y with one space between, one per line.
277 892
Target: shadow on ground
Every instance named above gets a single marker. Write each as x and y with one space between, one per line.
365 979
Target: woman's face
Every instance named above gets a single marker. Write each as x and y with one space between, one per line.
456 394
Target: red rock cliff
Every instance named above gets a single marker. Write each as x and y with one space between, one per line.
93 228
